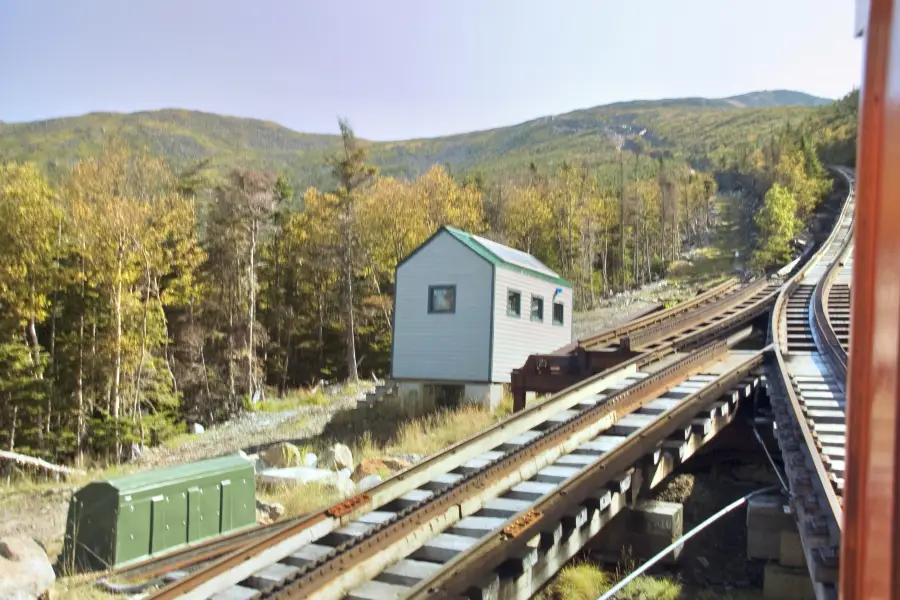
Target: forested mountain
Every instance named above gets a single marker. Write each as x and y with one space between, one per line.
687 127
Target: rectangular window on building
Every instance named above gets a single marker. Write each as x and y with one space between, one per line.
513 303
537 309
441 299
557 313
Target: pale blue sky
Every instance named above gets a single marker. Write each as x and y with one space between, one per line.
409 68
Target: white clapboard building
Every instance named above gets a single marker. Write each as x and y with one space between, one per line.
467 311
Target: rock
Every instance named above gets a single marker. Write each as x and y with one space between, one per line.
25 570
369 481
341 457
310 459
369 466
273 510
281 455
345 487
197 429
344 473
296 476
263 518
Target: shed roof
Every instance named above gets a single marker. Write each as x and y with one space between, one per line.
136 482
502 256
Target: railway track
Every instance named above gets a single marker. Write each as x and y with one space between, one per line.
508 506
807 381
610 338
432 511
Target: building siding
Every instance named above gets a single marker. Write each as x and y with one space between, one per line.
443 347
516 338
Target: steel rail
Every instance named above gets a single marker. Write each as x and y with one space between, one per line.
794 433
325 520
831 346
286 540
648 335
614 334
477 563
387 542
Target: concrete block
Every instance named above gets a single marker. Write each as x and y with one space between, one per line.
787 583
489 395
769 513
657 518
764 545
791 550
641 532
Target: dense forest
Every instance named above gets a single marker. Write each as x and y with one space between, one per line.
138 292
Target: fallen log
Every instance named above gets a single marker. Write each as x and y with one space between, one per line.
39 463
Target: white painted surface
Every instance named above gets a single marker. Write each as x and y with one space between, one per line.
515 338
443 347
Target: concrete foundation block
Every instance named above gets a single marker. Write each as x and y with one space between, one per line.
769 513
490 395
641 532
787 583
791 550
763 545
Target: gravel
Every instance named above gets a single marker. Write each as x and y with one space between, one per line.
250 432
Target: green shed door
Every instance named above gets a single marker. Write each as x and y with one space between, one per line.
133 536
194 513
226 506
158 525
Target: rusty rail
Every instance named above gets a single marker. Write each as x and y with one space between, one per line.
614 334
477 563
431 514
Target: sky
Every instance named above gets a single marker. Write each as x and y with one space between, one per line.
400 69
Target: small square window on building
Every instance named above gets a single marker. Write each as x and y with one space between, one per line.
441 298
513 303
557 313
537 309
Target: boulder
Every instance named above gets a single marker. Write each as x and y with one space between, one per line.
295 476
281 455
197 429
340 457
369 481
369 466
272 510
310 460
25 570
345 487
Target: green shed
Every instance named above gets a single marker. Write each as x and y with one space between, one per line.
120 521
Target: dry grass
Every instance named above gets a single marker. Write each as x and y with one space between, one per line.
299 500
389 431
291 401
432 433
78 588
585 581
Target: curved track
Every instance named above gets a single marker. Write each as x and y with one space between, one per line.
807 378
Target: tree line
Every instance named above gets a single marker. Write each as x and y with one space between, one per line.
135 298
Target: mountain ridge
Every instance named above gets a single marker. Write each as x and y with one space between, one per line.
670 127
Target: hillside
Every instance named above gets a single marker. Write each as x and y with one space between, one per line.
688 127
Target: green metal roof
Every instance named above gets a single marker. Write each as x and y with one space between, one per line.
506 257
136 482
